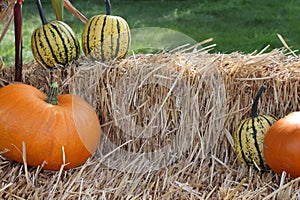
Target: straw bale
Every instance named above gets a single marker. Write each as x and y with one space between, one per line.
167 121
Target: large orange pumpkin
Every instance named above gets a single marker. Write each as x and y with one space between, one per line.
282 145
50 132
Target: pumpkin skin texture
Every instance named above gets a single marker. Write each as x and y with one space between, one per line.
55 43
106 37
249 136
282 145
46 128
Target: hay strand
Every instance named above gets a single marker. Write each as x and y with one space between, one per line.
167 121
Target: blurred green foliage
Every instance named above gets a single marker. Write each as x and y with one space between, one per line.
235 25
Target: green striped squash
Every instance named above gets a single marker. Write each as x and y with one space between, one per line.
249 136
55 43
106 37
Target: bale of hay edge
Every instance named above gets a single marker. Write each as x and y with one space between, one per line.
183 106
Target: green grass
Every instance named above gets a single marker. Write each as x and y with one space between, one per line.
235 25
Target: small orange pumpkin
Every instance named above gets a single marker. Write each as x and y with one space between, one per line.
51 127
282 145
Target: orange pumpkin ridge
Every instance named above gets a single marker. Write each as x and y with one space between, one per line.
282 145
46 128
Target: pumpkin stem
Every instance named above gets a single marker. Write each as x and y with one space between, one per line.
108 7
52 96
41 12
254 112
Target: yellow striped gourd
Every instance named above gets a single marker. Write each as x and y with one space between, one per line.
249 136
54 42
106 37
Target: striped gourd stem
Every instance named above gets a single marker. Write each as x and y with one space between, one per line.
254 112
41 12
108 7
